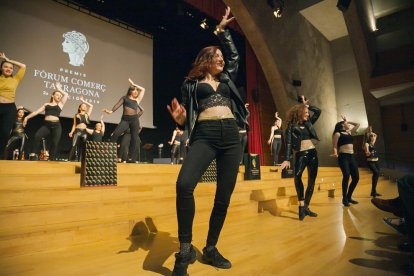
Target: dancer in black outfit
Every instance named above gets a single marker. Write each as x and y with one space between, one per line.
175 143
275 139
299 133
51 124
98 132
130 117
78 132
343 143
372 160
210 105
18 136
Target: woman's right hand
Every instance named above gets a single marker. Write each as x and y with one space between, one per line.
107 111
225 19
285 164
177 112
70 134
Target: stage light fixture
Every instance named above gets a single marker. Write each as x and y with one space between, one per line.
204 24
278 6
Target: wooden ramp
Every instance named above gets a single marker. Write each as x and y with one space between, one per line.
51 226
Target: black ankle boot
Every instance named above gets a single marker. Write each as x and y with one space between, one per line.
308 212
182 261
213 257
302 212
345 202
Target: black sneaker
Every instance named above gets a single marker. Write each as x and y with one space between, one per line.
302 213
182 262
350 200
308 212
345 202
214 258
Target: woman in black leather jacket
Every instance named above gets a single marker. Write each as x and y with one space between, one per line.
211 110
299 135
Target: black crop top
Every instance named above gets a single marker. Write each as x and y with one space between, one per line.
18 128
96 136
207 97
82 119
305 134
52 110
277 131
345 139
130 106
373 152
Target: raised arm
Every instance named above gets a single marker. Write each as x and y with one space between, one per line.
228 48
64 97
14 62
90 106
103 125
141 90
34 113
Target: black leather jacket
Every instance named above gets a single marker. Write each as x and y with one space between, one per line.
229 74
293 133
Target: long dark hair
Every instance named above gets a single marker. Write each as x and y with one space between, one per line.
202 63
295 114
339 127
130 89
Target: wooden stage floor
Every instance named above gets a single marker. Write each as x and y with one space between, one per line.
340 241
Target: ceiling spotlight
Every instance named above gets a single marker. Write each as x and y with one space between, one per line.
278 6
204 24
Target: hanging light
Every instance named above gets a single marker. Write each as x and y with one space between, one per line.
278 6
204 24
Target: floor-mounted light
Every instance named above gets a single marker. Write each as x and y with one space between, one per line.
204 24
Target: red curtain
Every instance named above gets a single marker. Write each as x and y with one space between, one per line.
254 135
215 9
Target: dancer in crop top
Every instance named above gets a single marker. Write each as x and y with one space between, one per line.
98 132
8 86
78 132
275 139
130 116
211 105
18 136
343 148
51 124
372 160
299 135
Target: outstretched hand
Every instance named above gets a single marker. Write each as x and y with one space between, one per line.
3 55
177 112
225 19
285 164
131 82
343 118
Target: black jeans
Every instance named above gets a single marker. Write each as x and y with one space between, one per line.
79 137
374 167
243 143
215 139
303 159
49 128
276 146
131 122
349 167
8 115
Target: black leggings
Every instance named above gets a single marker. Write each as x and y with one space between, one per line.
131 122
374 167
79 137
175 153
215 139
13 143
49 128
8 115
306 159
276 146
349 167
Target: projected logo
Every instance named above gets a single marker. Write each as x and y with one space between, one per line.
76 46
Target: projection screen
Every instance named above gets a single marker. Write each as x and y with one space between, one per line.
90 57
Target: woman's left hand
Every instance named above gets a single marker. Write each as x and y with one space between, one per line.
177 112
225 20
